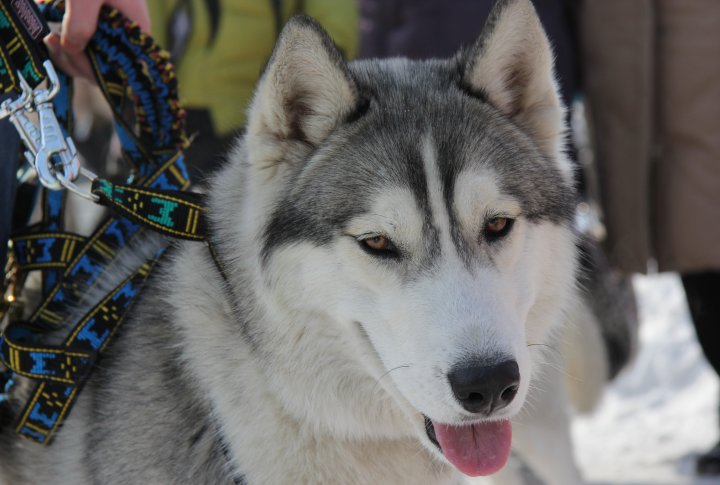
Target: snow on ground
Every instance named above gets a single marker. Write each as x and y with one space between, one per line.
662 411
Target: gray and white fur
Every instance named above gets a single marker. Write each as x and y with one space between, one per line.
320 358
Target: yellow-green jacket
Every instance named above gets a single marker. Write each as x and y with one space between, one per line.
221 46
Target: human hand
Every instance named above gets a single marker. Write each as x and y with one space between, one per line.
79 24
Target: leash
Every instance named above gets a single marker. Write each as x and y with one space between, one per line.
21 32
131 70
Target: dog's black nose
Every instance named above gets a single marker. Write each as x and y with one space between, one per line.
482 389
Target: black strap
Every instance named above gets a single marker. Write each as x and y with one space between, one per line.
22 29
45 250
171 212
63 370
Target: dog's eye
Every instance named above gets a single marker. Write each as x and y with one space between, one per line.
497 228
379 246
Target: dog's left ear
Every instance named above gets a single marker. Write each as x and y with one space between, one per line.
511 65
305 91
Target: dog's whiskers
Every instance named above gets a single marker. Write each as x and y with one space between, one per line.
554 350
557 367
542 345
377 383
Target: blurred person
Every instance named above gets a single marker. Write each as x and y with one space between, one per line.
220 47
653 86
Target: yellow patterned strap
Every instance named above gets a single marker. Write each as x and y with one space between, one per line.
45 250
44 362
61 371
175 213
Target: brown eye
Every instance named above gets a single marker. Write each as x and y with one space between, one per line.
379 246
498 227
378 243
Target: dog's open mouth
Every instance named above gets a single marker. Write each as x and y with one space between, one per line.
477 449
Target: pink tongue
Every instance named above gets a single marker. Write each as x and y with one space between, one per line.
480 449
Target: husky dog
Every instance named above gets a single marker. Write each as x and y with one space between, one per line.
398 248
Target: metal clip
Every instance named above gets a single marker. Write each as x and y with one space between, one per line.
53 156
70 185
15 110
52 143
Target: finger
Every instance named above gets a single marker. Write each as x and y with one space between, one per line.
75 65
79 23
81 66
57 54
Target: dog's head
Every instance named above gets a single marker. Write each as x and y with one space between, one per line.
425 209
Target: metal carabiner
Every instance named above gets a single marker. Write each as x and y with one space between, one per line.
52 142
70 185
53 156
15 111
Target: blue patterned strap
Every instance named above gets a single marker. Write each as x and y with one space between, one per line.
51 400
171 212
46 362
62 371
132 71
99 251
45 250
22 29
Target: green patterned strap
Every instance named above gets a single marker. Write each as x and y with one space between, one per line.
175 213
22 29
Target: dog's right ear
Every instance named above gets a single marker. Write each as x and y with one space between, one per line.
511 66
305 91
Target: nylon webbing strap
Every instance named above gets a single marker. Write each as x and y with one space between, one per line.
47 362
46 250
98 253
51 401
117 45
132 71
54 200
63 370
22 29
177 214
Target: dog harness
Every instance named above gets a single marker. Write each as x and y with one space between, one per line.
132 71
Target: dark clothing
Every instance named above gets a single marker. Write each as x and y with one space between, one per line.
208 149
702 290
430 28
9 145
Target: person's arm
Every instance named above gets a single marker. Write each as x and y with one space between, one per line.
78 25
